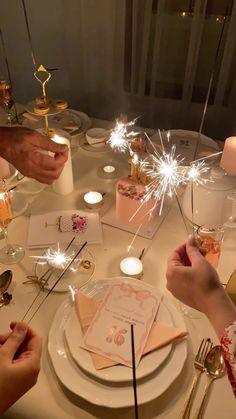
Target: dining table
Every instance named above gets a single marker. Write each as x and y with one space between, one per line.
50 398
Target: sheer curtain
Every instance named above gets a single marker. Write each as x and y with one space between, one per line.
147 58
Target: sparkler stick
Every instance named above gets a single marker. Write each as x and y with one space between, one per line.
210 83
162 144
134 381
181 211
39 292
29 34
55 284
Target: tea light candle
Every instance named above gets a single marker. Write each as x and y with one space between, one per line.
109 169
228 159
93 200
132 267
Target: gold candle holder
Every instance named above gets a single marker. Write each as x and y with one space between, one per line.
45 77
134 173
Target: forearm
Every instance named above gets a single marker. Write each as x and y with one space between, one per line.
7 137
220 311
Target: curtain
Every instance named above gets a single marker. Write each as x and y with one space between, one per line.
148 58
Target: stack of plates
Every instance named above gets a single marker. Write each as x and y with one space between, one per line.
112 387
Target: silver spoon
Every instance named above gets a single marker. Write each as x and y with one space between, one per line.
5 280
215 368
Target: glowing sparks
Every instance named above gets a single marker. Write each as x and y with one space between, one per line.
55 258
120 137
166 174
195 172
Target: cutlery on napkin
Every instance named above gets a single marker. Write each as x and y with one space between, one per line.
160 334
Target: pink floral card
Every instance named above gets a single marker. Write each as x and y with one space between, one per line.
126 302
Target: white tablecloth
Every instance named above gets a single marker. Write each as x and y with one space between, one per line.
49 399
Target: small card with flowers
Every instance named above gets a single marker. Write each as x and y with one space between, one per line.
62 226
126 302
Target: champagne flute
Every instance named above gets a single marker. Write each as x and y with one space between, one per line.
6 99
9 254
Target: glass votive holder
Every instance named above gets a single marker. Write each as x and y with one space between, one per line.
93 200
131 267
209 239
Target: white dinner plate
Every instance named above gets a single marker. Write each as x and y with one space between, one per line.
118 373
102 393
185 142
71 279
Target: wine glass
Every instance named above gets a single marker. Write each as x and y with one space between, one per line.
9 254
6 99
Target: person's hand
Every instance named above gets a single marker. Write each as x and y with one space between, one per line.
20 146
20 353
192 280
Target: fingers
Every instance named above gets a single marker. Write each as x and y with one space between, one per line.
15 339
46 168
3 337
193 252
46 143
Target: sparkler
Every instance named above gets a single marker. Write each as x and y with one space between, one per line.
56 258
166 173
120 137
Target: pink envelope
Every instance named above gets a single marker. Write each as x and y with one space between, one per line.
160 334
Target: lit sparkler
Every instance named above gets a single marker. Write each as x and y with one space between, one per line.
166 173
120 137
195 172
55 258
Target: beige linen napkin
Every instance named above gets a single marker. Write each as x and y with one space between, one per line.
160 334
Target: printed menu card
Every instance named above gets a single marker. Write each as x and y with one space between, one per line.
125 303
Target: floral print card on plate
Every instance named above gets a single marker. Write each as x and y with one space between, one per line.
62 226
126 302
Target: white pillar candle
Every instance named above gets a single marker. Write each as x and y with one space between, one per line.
64 184
109 169
132 267
4 169
93 200
228 159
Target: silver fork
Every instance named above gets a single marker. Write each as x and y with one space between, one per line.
205 346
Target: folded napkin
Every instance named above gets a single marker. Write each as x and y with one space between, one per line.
160 334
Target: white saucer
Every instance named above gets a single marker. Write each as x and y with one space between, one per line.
118 373
86 146
106 394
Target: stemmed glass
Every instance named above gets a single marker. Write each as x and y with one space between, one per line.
6 99
9 254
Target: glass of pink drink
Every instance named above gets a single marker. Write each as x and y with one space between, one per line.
209 239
